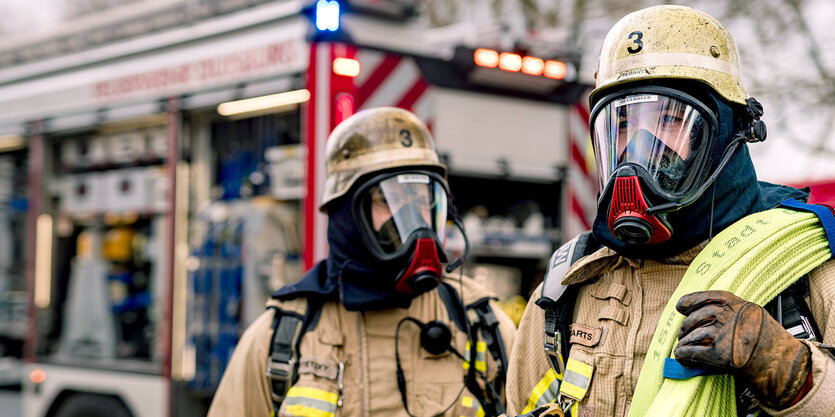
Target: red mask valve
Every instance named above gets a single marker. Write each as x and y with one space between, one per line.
424 272
628 220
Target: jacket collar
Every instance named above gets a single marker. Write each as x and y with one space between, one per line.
605 259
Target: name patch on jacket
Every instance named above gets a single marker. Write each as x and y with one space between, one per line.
322 368
585 335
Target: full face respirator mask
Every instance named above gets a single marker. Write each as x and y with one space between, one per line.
402 218
654 148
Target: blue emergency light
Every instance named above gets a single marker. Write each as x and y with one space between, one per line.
327 15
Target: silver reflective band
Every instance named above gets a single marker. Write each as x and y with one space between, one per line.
576 379
674 59
314 403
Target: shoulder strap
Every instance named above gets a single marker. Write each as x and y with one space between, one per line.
488 325
558 300
288 329
790 309
454 306
561 260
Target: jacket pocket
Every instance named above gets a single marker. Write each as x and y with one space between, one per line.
614 290
614 311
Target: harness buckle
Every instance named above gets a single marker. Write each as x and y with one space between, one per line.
564 403
280 376
553 343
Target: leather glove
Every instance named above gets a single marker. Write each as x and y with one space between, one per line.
547 410
722 332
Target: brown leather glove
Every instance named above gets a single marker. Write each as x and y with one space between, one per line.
722 332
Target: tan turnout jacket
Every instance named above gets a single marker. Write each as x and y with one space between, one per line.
626 304
364 344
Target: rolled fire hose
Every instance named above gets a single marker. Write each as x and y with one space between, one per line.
756 258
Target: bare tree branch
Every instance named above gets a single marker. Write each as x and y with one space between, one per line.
814 49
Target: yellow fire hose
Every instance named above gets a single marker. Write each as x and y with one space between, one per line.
756 258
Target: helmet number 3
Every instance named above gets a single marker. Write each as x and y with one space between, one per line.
406 138
637 41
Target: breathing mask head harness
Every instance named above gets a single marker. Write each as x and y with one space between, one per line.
402 217
656 153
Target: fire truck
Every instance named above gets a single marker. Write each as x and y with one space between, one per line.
173 160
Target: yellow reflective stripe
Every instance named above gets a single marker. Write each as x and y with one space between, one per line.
480 356
575 408
307 401
314 393
470 402
544 392
479 365
576 380
302 411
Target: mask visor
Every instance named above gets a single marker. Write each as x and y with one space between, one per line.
403 207
666 136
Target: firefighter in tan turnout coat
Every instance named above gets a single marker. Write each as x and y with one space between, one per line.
378 328
670 120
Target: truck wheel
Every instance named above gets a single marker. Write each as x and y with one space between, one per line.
90 405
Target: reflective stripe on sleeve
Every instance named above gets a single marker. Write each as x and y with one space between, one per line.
544 392
313 402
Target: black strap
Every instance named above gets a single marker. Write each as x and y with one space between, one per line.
489 325
557 323
281 369
790 309
454 306
288 329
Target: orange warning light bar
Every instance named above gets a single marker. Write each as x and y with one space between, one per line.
555 69
532 65
486 58
510 62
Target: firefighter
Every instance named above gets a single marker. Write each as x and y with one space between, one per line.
378 328
670 122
